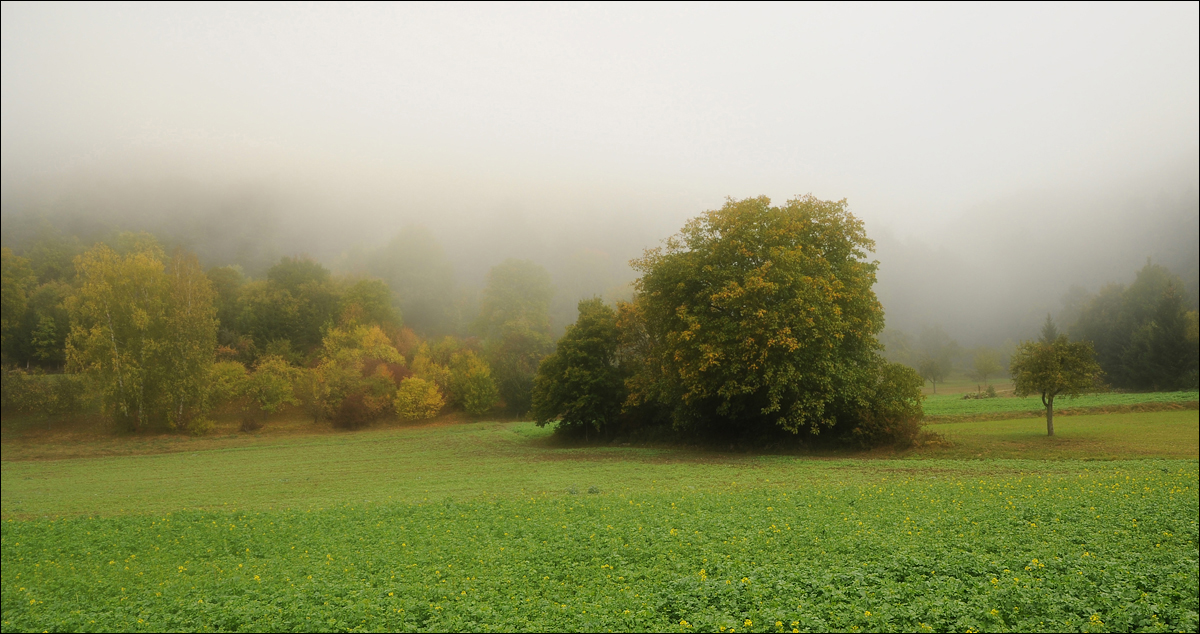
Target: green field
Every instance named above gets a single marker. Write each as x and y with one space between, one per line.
956 405
491 526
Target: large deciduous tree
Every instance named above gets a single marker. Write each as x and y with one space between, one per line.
1054 366
760 318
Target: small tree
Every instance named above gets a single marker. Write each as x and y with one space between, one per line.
933 370
986 363
1049 330
418 399
269 388
1055 367
471 383
188 341
581 383
937 351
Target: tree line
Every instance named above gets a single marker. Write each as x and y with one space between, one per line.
161 343
754 322
1144 337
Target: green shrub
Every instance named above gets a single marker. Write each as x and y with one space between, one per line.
200 426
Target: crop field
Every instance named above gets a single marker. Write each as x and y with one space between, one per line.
956 405
492 526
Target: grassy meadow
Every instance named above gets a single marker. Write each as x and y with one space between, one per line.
954 405
482 526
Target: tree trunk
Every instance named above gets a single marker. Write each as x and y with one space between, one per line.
1049 403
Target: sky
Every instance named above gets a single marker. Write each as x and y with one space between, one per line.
968 137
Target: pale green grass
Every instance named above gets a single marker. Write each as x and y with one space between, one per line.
1166 434
461 462
474 460
956 405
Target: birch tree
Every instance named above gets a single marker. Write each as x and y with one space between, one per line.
145 332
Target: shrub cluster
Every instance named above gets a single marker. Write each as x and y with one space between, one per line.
162 342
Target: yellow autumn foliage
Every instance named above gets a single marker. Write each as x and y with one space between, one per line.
418 399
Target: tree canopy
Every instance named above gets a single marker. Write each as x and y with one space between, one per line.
1141 332
145 331
1054 367
581 384
415 267
514 320
760 317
